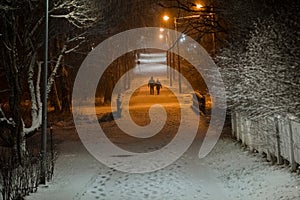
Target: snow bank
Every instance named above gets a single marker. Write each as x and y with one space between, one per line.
246 175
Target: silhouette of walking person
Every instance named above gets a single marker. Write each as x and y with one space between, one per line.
158 86
151 84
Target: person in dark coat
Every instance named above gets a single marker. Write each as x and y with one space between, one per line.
158 86
151 84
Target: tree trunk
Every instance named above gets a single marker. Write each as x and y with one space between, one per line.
66 96
56 100
15 106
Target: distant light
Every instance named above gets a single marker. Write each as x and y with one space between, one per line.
161 29
199 6
182 38
166 17
161 36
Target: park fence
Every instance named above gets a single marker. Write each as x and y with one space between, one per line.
18 181
277 137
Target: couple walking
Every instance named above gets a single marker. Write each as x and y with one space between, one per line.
152 83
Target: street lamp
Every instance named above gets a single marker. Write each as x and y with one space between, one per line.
44 109
212 15
166 17
199 6
177 45
178 57
169 59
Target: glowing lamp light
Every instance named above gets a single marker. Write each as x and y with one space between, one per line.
166 17
199 6
182 38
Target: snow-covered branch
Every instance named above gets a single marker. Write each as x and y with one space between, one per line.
56 67
78 12
261 80
36 105
4 120
78 20
5 90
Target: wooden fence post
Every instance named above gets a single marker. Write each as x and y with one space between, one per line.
243 119
279 158
238 126
249 136
292 156
233 124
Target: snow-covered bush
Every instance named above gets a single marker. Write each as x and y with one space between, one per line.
17 181
265 78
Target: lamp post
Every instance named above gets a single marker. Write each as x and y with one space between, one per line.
161 36
169 55
44 109
213 19
178 57
177 45
176 19
166 18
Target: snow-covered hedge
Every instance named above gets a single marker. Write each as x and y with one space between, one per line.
263 78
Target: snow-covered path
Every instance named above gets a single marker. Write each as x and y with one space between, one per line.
187 178
184 179
226 173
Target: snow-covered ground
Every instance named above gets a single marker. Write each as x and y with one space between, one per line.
246 175
227 173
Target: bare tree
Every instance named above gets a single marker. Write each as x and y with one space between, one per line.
203 22
21 44
259 50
